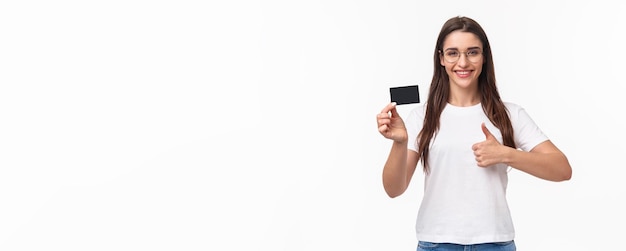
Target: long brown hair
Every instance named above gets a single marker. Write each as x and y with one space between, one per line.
440 89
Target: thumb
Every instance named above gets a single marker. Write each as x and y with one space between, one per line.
394 112
486 131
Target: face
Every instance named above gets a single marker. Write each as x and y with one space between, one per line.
466 49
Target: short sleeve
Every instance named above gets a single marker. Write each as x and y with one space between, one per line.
526 132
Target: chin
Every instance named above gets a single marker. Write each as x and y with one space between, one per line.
465 83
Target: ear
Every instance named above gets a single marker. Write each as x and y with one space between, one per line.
441 62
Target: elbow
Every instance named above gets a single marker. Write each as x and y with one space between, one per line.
393 193
565 172
565 175
394 188
563 178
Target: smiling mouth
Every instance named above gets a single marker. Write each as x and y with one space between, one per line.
463 73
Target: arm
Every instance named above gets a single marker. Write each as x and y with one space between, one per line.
544 161
399 169
401 162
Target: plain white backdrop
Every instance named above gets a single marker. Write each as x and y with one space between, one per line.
250 125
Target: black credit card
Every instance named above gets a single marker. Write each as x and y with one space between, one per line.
405 94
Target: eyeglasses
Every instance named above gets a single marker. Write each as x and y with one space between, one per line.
453 55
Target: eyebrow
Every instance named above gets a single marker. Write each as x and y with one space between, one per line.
456 49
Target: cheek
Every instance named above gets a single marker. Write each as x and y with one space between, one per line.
479 68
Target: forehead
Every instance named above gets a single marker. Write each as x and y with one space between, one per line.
461 40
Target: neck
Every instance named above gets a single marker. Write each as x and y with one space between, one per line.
464 99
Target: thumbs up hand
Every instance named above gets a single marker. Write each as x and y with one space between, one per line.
490 151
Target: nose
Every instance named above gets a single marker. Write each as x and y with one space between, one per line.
463 60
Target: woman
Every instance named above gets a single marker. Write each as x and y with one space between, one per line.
466 138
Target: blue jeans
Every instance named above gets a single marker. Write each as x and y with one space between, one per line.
495 246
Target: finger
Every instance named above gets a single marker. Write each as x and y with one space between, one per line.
389 107
486 131
480 162
383 128
384 121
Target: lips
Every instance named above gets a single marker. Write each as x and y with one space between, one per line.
463 74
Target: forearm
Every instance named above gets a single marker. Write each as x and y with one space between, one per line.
395 173
552 166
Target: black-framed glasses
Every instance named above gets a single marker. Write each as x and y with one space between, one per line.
452 55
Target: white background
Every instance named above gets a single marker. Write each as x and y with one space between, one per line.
250 125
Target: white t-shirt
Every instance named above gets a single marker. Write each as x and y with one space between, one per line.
464 203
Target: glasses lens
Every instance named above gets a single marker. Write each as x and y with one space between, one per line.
451 55
473 55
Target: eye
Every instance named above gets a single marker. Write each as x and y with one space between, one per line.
473 52
452 53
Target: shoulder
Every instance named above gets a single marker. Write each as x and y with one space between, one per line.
512 106
517 113
513 109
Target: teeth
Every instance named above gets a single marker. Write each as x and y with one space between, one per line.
463 72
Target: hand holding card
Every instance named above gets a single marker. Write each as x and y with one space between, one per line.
405 94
